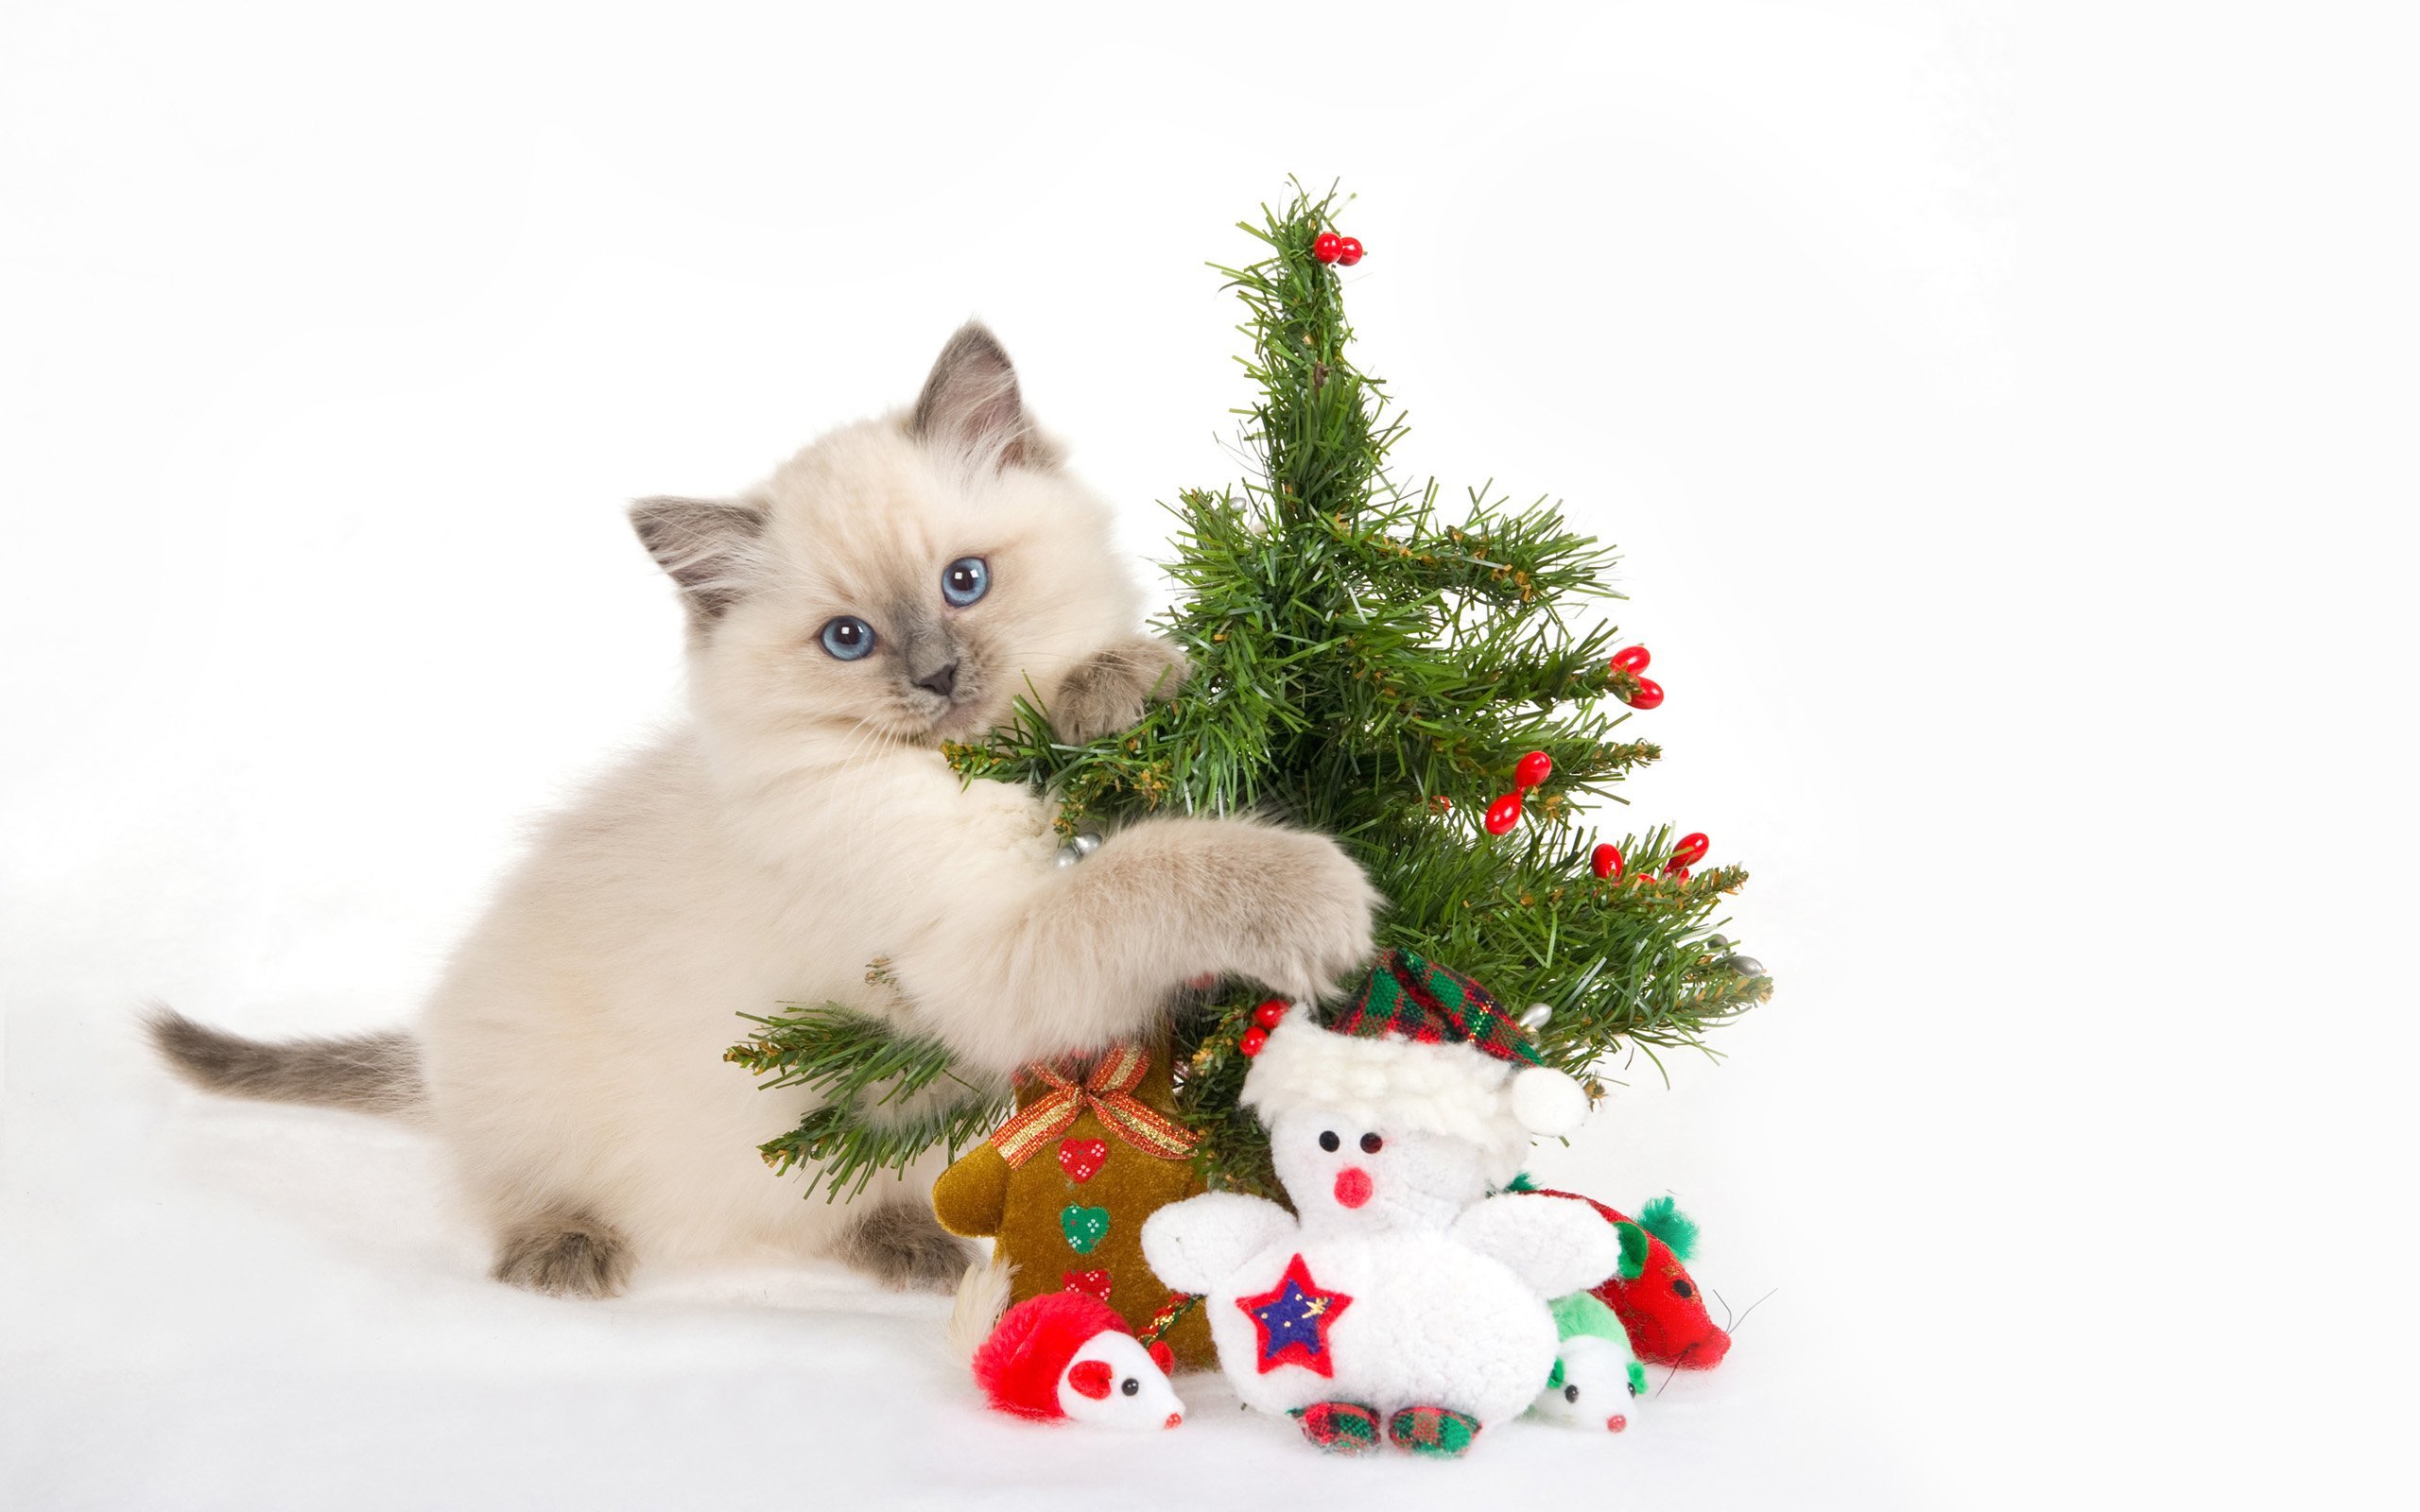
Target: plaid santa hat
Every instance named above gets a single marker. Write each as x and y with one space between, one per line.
1419 1047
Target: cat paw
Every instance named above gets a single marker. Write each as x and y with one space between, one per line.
564 1255
1310 921
904 1247
1108 691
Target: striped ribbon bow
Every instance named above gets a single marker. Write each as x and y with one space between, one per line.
1109 1093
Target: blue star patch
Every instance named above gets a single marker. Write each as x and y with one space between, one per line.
1292 1319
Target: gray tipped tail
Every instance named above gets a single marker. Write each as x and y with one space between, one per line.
368 1073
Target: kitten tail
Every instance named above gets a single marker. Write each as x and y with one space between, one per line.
368 1073
982 1297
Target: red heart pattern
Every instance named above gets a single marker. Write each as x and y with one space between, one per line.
1095 1282
1082 1158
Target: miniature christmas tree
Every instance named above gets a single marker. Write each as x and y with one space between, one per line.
1430 690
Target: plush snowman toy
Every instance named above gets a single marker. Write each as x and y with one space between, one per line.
1399 1300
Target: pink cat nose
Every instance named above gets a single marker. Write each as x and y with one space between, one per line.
1352 1186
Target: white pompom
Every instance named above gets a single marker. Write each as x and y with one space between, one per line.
1548 1102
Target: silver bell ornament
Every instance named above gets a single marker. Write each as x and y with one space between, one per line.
1077 849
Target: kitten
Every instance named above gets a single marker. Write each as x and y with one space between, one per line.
894 585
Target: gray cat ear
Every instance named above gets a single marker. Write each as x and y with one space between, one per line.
971 404
708 546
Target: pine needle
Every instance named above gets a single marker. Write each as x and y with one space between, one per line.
1368 662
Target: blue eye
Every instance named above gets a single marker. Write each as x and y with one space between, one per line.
965 581
848 638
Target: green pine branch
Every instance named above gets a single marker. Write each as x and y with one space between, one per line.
1368 663
886 1097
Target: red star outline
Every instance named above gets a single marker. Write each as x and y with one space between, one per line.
1326 1306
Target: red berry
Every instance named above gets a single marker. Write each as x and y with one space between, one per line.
1268 1014
1631 659
1535 767
1649 694
1443 802
1678 873
1504 812
1691 850
1252 1042
1348 252
1607 862
1329 246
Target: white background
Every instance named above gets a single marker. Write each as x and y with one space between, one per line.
332 344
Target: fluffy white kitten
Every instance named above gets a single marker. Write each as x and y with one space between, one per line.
894 585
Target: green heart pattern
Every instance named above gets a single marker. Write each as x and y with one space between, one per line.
1085 1227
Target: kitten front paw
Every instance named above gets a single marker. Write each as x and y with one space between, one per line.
1310 919
1109 690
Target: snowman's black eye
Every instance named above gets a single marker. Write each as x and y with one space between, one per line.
1571 1393
1371 1143
1129 1385
1682 1288
1328 1141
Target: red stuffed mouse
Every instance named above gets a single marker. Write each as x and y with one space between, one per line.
1067 1355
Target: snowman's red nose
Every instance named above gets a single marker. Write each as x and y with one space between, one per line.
1353 1186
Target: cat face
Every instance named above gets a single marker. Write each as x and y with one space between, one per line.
900 580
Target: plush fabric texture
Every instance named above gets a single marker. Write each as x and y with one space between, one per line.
1194 1245
1545 1101
1397 1282
1554 1245
1115 1382
1663 1218
1072 1213
1341 1427
1409 997
1019 1366
1634 1243
1438 1430
1292 1319
1440 1313
1431 1323
1420 1047
1452 1090
1584 1315
1660 1304
1106 1092
1595 1381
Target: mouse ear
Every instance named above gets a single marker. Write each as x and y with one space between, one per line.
1163 1356
1634 1243
1090 1378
